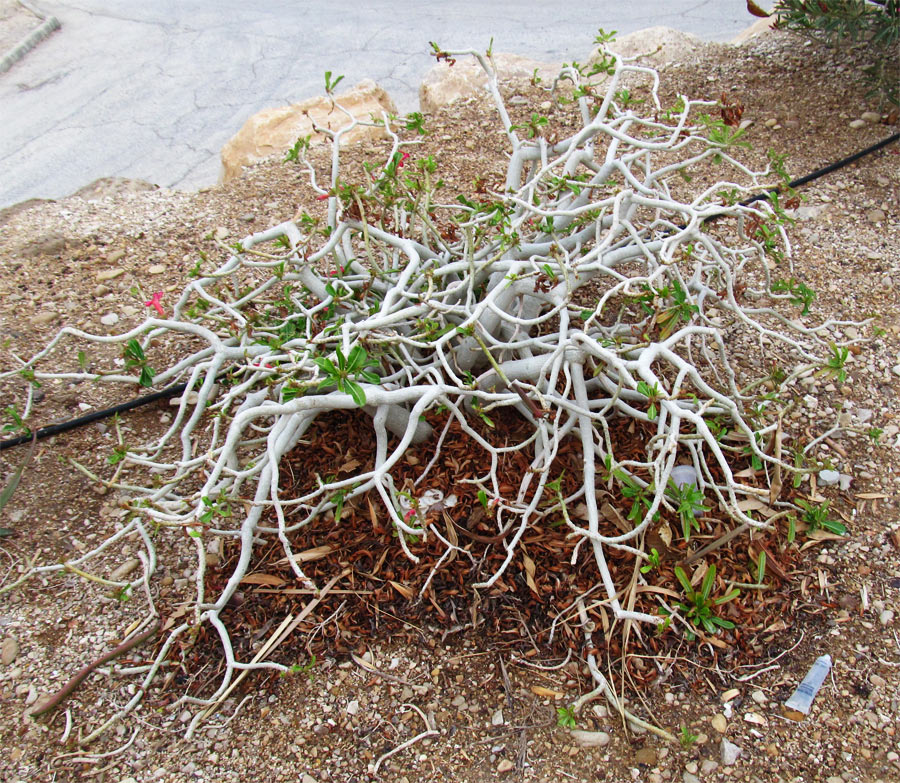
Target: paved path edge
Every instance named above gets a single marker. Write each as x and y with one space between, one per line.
42 31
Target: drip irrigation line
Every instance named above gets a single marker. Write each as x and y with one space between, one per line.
823 171
55 429
171 391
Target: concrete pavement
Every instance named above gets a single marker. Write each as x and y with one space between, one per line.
153 90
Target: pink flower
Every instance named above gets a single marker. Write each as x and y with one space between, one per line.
334 272
409 515
155 302
323 197
403 158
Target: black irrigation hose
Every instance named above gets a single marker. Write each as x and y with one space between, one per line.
823 171
171 391
55 429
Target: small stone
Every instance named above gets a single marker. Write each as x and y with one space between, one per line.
759 697
708 766
110 319
875 215
126 568
9 651
353 707
44 318
771 122
729 753
505 765
248 217
689 777
307 778
719 722
828 478
116 255
497 718
221 233
590 739
459 702
109 274
877 680
156 269
886 617
856 124
834 779
872 117
32 696
646 756
102 290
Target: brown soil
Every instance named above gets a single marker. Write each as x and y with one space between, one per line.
334 721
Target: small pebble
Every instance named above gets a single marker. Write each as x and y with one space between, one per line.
110 319
123 570
730 753
109 274
44 318
856 124
646 756
828 478
872 117
505 765
497 718
875 215
719 723
590 739
9 651
886 617
157 269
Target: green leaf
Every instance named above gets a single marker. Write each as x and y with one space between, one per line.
147 374
356 359
326 366
727 597
356 392
483 499
833 526
685 582
708 580
134 351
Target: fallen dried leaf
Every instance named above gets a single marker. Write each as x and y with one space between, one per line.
547 693
407 592
268 580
